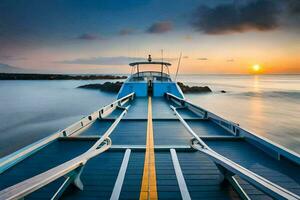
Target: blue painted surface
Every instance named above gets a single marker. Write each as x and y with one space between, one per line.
98 177
54 154
139 88
133 177
130 132
187 114
138 109
203 177
252 192
20 158
207 128
115 114
170 132
161 109
167 185
48 191
160 88
283 173
201 174
98 127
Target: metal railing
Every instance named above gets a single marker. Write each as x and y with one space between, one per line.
273 149
72 169
10 160
230 168
159 76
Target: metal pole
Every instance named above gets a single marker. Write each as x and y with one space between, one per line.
178 66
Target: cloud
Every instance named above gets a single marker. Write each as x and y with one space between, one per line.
11 58
202 58
258 15
293 6
160 27
126 31
119 60
88 36
230 60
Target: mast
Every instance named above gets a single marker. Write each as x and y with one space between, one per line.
178 66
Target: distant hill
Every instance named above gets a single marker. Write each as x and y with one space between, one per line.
4 68
28 76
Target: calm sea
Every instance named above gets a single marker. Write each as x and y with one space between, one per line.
268 105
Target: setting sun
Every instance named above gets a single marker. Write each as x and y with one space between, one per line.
256 68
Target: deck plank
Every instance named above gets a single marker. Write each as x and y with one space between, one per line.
131 132
98 127
187 114
167 185
283 173
207 128
161 109
203 178
133 177
170 132
98 177
52 155
138 109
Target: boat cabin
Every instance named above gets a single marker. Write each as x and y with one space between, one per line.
150 78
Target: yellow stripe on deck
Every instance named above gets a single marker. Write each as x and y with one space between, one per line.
148 188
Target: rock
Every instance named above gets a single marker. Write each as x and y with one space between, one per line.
106 87
193 89
116 86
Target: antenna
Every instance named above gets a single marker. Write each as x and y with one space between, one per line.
149 58
178 66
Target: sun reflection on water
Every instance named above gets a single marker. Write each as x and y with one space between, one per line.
256 107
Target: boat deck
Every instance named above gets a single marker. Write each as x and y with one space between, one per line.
197 177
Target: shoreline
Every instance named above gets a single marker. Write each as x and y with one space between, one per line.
33 76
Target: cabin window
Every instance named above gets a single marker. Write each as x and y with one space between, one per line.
237 132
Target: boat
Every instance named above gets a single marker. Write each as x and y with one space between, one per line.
151 143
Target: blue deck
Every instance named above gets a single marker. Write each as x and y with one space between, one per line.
187 114
138 109
54 154
203 179
133 178
130 132
283 173
170 132
98 127
98 177
167 186
207 128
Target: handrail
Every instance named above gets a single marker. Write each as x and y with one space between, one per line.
30 185
268 144
11 159
151 73
265 185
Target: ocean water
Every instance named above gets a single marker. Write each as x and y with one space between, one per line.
268 105
31 110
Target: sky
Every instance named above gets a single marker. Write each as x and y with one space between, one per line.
103 36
